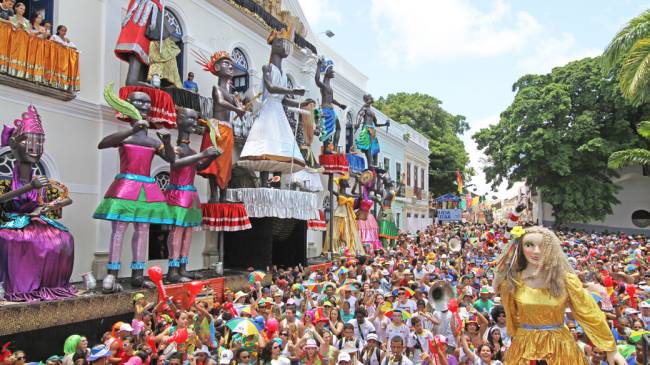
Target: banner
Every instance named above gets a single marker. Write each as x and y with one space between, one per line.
449 214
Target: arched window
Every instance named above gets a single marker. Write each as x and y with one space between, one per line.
177 34
240 78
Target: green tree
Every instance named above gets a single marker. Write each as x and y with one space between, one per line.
557 135
425 114
630 49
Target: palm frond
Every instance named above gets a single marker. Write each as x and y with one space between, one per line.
644 129
635 30
635 73
631 157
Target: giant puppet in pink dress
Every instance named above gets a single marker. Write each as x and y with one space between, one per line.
36 252
134 196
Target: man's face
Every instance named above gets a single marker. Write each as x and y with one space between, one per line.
190 76
348 333
175 362
396 347
645 311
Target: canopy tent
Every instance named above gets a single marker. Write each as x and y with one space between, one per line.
449 197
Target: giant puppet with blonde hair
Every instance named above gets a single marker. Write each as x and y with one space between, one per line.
536 285
345 237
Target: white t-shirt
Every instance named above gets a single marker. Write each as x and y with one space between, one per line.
366 328
281 361
420 344
405 361
409 306
401 330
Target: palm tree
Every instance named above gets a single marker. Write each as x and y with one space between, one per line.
633 156
631 49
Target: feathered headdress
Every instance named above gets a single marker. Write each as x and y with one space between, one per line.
284 33
209 63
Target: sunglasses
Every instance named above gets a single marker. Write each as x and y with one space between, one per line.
20 358
284 334
275 347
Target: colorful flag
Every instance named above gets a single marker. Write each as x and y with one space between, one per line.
459 182
475 201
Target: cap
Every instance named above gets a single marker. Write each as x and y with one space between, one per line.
373 336
630 311
311 343
202 350
98 352
126 328
644 305
226 357
343 356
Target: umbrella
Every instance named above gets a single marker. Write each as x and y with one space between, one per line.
596 297
405 315
341 271
347 287
256 276
246 310
312 286
299 287
245 326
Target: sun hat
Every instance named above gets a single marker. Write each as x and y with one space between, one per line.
226 357
311 343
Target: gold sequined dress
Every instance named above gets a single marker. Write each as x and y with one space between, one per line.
535 321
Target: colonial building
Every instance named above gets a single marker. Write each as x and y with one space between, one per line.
74 127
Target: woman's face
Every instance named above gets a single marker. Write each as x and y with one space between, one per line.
533 248
485 354
334 316
38 20
20 9
62 33
496 335
327 337
637 326
244 357
182 320
83 344
20 358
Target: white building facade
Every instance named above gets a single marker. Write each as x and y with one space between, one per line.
73 128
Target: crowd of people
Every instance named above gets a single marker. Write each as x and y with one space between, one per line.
14 13
417 301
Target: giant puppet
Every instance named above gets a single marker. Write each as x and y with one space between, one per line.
36 252
330 126
182 197
366 140
134 196
271 145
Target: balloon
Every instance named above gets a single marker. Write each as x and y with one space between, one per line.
272 326
156 275
230 308
452 305
194 288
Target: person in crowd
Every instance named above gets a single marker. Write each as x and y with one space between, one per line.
189 84
18 20
6 10
61 37
38 30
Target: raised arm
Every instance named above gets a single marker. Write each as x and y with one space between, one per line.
317 74
116 139
205 157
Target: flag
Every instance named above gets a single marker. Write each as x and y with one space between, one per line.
459 182
475 201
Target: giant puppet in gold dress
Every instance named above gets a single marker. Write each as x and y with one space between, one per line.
537 284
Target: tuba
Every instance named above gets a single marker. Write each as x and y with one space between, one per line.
439 295
454 244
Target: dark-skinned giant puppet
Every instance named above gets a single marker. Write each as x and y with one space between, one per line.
134 196
271 145
219 214
36 252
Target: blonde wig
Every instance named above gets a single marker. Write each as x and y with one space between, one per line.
553 267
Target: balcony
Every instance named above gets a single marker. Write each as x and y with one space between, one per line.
38 65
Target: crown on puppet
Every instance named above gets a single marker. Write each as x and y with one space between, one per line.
327 64
284 33
209 64
30 122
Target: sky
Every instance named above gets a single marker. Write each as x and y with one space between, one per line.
466 53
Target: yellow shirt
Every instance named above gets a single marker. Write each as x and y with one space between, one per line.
535 320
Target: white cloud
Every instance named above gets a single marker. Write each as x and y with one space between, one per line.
319 12
425 30
476 161
552 52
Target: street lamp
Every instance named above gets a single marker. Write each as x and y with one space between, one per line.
328 33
